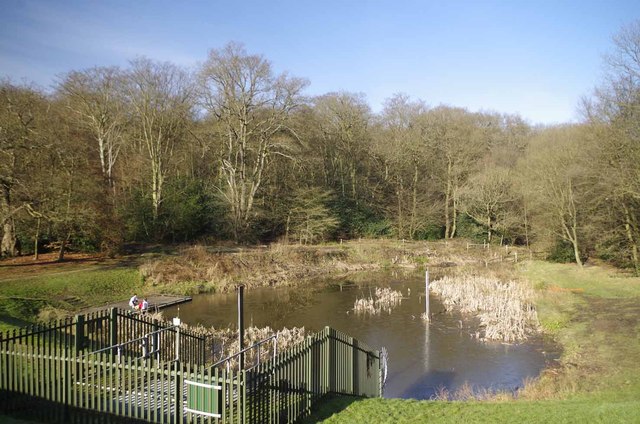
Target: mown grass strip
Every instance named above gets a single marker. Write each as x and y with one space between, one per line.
22 300
345 410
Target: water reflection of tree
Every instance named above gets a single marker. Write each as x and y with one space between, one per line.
290 302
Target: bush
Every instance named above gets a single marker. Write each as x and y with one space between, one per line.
431 232
358 220
562 252
189 211
468 228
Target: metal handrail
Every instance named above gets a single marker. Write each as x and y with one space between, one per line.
119 346
257 345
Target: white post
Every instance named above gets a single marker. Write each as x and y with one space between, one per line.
427 312
275 347
176 322
145 349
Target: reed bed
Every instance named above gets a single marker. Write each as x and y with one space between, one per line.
223 342
505 309
384 299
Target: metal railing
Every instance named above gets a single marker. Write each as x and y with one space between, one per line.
254 347
280 389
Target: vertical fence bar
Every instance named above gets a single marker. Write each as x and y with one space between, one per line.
179 410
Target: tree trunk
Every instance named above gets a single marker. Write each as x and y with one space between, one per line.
447 222
63 245
454 218
414 204
449 225
9 245
576 252
286 233
9 239
629 227
526 226
36 238
399 194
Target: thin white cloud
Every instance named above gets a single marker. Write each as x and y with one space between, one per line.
80 39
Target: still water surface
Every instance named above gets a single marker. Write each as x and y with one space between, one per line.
423 357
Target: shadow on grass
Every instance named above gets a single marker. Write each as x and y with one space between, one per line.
22 409
9 322
331 404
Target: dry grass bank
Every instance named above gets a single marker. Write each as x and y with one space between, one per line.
200 268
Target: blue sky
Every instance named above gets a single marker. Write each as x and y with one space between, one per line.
535 58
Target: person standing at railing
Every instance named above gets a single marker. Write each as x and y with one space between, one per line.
133 302
144 306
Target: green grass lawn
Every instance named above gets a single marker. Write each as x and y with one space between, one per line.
394 411
23 301
594 314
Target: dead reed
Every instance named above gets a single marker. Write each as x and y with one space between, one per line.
467 392
505 309
223 342
384 299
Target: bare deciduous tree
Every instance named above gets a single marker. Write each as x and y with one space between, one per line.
96 98
406 161
161 96
554 168
458 144
613 113
343 120
253 106
487 199
21 110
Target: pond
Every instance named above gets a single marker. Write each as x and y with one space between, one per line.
424 358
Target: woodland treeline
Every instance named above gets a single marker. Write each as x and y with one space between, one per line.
235 151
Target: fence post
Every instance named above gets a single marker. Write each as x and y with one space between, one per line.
179 407
79 341
355 363
113 330
379 391
332 361
155 342
203 350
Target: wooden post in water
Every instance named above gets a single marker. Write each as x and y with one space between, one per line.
427 312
